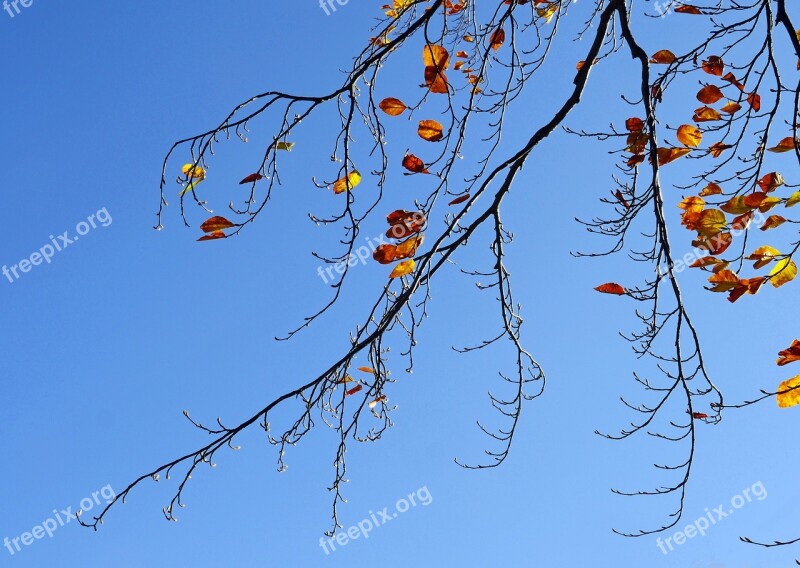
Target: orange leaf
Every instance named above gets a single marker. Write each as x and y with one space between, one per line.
497 39
709 94
430 130
611 288
634 125
392 106
717 148
414 164
706 114
785 145
789 355
667 155
689 135
664 57
385 254
369 370
731 108
354 390
713 65
771 182
772 222
754 100
213 236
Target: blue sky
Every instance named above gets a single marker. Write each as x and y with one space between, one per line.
126 327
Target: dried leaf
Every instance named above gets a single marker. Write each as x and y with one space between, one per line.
392 106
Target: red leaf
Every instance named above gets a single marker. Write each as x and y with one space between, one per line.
611 288
251 178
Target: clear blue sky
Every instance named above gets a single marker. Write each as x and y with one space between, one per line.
106 345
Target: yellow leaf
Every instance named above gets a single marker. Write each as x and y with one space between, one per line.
784 271
350 181
285 146
430 130
405 267
792 397
793 200
689 135
193 171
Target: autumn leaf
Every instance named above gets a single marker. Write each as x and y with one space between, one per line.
731 107
771 182
213 236
392 106
687 9
689 135
251 178
634 125
354 390
414 164
463 198
763 256
405 267
497 39
430 130
723 281
772 222
706 114
789 393
349 181
713 65
793 199
436 59
699 415
408 248
373 403
385 254
783 272
709 94
192 171
611 288
663 57
692 204
729 77
715 245
785 145
789 355
667 155
717 148
711 189
345 380
216 224
369 370
284 146
754 100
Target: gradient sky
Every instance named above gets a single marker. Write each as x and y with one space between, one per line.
106 345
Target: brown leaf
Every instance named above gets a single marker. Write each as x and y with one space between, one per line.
216 224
